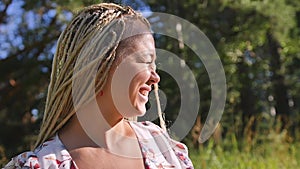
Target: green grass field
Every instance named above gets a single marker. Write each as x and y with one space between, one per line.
267 155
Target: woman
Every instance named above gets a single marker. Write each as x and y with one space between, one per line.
103 71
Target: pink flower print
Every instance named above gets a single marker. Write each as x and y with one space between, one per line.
180 146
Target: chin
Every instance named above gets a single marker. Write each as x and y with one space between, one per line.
141 111
135 112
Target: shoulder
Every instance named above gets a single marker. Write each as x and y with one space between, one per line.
146 125
155 131
51 154
148 130
26 159
156 141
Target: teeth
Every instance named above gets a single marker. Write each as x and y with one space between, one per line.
144 93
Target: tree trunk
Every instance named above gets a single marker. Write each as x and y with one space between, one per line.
279 88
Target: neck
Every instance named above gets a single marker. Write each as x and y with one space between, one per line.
89 127
72 130
107 109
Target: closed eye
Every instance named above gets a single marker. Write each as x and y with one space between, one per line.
146 58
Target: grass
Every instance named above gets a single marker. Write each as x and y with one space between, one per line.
271 154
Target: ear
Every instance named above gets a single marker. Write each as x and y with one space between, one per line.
100 93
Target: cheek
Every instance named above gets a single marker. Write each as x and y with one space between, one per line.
141 78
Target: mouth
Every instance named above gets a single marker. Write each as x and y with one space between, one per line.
144 91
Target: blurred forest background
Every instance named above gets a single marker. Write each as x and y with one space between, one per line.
258 43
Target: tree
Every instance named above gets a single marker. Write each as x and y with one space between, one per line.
248 36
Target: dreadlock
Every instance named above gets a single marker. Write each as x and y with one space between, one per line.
84 36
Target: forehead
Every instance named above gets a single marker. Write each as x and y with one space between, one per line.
143 43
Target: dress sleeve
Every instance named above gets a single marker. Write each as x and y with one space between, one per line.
50 155
181 152
26 160
155 141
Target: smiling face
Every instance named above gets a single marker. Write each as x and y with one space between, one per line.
142 60
131 77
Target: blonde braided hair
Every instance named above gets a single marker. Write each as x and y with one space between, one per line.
82 37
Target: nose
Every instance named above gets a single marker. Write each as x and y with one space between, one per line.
154 78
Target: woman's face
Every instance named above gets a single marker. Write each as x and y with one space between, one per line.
142 58
131 78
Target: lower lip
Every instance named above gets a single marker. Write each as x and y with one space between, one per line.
144 98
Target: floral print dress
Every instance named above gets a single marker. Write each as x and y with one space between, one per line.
159 151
